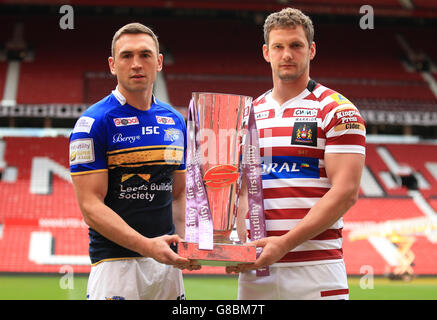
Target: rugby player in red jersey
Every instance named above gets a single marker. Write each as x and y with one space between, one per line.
315 141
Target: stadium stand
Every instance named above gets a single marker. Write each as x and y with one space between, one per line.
377 167
373 210
425 4
414 157
27 217
24 212
233 54
41 227
62 80
409 156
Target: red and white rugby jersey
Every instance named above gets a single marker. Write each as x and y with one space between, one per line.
294 138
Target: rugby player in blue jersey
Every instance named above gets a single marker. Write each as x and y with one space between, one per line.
127 161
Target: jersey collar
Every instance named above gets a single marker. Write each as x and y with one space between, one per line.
309 88
117 94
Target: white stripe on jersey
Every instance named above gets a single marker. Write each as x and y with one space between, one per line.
270 142
289 203
319 90
287 183
288 224
277 122
273 122
345 149
319 245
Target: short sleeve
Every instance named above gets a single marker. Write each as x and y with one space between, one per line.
183 165
344 127
88 146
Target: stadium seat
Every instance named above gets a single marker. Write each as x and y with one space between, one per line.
70 66
22 213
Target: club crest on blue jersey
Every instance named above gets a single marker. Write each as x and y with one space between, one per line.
172 134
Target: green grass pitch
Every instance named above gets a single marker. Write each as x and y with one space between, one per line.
36 287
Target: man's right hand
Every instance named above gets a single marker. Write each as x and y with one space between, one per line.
159 249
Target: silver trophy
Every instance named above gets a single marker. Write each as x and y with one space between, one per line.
218 125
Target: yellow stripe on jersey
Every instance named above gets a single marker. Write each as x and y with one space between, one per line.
87 172
136 157
350 126
145 177
145 148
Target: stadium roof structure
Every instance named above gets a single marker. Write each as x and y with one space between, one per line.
399 8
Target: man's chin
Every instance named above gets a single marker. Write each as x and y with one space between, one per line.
136 87
288 77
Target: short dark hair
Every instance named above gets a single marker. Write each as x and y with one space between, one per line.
134 28
289 17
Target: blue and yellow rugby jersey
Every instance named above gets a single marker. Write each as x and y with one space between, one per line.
140 150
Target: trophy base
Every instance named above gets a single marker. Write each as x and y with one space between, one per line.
220 256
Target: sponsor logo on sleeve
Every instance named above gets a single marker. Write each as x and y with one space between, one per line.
340 99
83 124
262 115
349 126
348 118
81 151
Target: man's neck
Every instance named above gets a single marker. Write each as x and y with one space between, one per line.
141 100
286 90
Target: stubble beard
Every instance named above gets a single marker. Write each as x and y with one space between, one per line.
287 77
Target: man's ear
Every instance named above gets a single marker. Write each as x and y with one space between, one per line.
266 53
111 62
312 50
160 62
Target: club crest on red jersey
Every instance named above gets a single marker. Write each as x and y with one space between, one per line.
304 133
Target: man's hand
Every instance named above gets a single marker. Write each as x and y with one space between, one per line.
159 249
274 248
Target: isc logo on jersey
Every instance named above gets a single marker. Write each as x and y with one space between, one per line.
121 122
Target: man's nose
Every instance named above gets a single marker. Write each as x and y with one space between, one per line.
136 62
288 54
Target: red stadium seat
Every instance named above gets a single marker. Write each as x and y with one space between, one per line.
367 66
361 253
23 213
